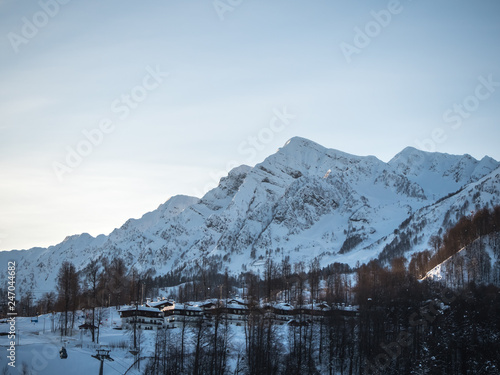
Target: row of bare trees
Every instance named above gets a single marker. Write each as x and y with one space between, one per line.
101 283
402 326
467 230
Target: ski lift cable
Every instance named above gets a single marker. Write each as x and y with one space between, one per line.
120 364
121 371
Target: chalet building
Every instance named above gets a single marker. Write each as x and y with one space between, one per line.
315 311
143 317
282 312
343 310
182 313
235 311
209 307
169 314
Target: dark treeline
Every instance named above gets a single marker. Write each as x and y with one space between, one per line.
280 281
463 233
410 327
100 284
468 229
402 326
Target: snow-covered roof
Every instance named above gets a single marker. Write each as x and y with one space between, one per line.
159 303
183 306
283 306
236 306
138 308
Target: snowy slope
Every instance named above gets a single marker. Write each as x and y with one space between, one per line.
304 201
478 262
38 345
439 174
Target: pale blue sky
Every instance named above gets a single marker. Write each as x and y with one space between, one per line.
226 81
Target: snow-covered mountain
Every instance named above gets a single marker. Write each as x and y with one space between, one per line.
305 201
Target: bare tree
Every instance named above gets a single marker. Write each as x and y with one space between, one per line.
46 303
68 289
314 278
116 281
435 242
92 276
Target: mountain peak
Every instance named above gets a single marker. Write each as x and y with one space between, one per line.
298 149
305 201
409 153
82 236
295 144
300 141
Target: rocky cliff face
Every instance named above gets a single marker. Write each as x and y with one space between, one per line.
305 202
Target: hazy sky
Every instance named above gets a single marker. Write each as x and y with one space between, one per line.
108 108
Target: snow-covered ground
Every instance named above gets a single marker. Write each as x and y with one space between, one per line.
38 348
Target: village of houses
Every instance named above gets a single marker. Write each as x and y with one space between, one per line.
164 313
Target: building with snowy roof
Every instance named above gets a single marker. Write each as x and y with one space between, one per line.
160 303
178 314
143 317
